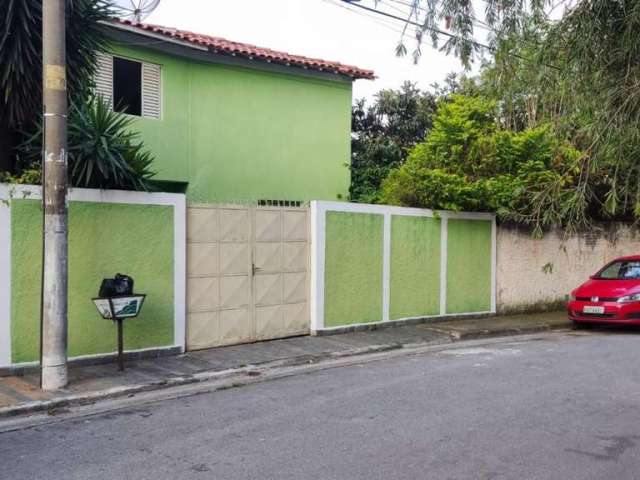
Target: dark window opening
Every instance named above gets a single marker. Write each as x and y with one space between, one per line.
127 86
279 203
169 186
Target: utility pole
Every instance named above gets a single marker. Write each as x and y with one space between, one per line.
53 357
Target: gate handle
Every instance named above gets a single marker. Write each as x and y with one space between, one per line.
254 269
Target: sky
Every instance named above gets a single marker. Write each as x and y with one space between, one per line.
327 29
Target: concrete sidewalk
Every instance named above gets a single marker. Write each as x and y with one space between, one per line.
20 394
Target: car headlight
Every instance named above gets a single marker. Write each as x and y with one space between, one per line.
630 298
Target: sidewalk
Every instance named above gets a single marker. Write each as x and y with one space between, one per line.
87 384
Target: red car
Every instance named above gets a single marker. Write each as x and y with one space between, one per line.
610 296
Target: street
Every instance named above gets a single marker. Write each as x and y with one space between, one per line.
562 405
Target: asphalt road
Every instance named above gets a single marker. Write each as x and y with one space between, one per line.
562 407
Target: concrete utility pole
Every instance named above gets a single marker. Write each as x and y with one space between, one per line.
53 359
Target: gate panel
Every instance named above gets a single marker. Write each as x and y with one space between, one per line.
247 274
296 259
280 266
235 277
202 277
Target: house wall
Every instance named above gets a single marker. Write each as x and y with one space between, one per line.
238 134
139 234
538 274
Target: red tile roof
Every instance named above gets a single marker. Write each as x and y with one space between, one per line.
223 46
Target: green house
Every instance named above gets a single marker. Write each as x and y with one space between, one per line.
231 122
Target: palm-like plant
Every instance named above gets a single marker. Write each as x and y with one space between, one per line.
104 151
21 55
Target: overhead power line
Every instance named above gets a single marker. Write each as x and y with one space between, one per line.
416 24
476 23
389 24
408 21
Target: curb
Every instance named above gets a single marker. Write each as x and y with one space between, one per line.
52 405
458 336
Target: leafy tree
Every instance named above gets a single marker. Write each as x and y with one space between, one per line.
468 162
578 75
383 132
460 21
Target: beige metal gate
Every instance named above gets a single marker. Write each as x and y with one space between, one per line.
247 270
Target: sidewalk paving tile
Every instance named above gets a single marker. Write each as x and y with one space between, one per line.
17 390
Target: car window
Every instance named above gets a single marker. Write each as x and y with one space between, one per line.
621 270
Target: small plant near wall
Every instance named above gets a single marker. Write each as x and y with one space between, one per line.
547 268
26 177
104 151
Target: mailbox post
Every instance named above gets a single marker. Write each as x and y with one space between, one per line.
118 308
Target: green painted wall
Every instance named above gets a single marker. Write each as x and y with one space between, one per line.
238 134
415 267
468 266
104 239
353 268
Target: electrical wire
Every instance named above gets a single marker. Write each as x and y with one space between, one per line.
476 23
416 24
408 21
390 25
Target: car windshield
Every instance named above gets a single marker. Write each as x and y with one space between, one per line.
621 270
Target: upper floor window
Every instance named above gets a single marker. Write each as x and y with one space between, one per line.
132 87
127 86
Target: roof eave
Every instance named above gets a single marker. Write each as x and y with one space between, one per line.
203 49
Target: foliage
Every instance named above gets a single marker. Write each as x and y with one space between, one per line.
383 132
468 162
502 19
581 76
103 150
26 177
578 75
21 54
599 44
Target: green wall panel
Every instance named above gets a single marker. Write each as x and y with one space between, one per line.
239 134
103 239
353 268
415 267
468 266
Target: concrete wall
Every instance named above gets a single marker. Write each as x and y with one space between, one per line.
353 268
140 234
538 274
237 134
376 263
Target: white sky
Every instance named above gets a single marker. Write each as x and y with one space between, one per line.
326 29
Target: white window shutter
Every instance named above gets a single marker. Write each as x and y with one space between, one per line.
151 90
104 77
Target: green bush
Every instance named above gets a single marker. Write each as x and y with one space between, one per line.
468 163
